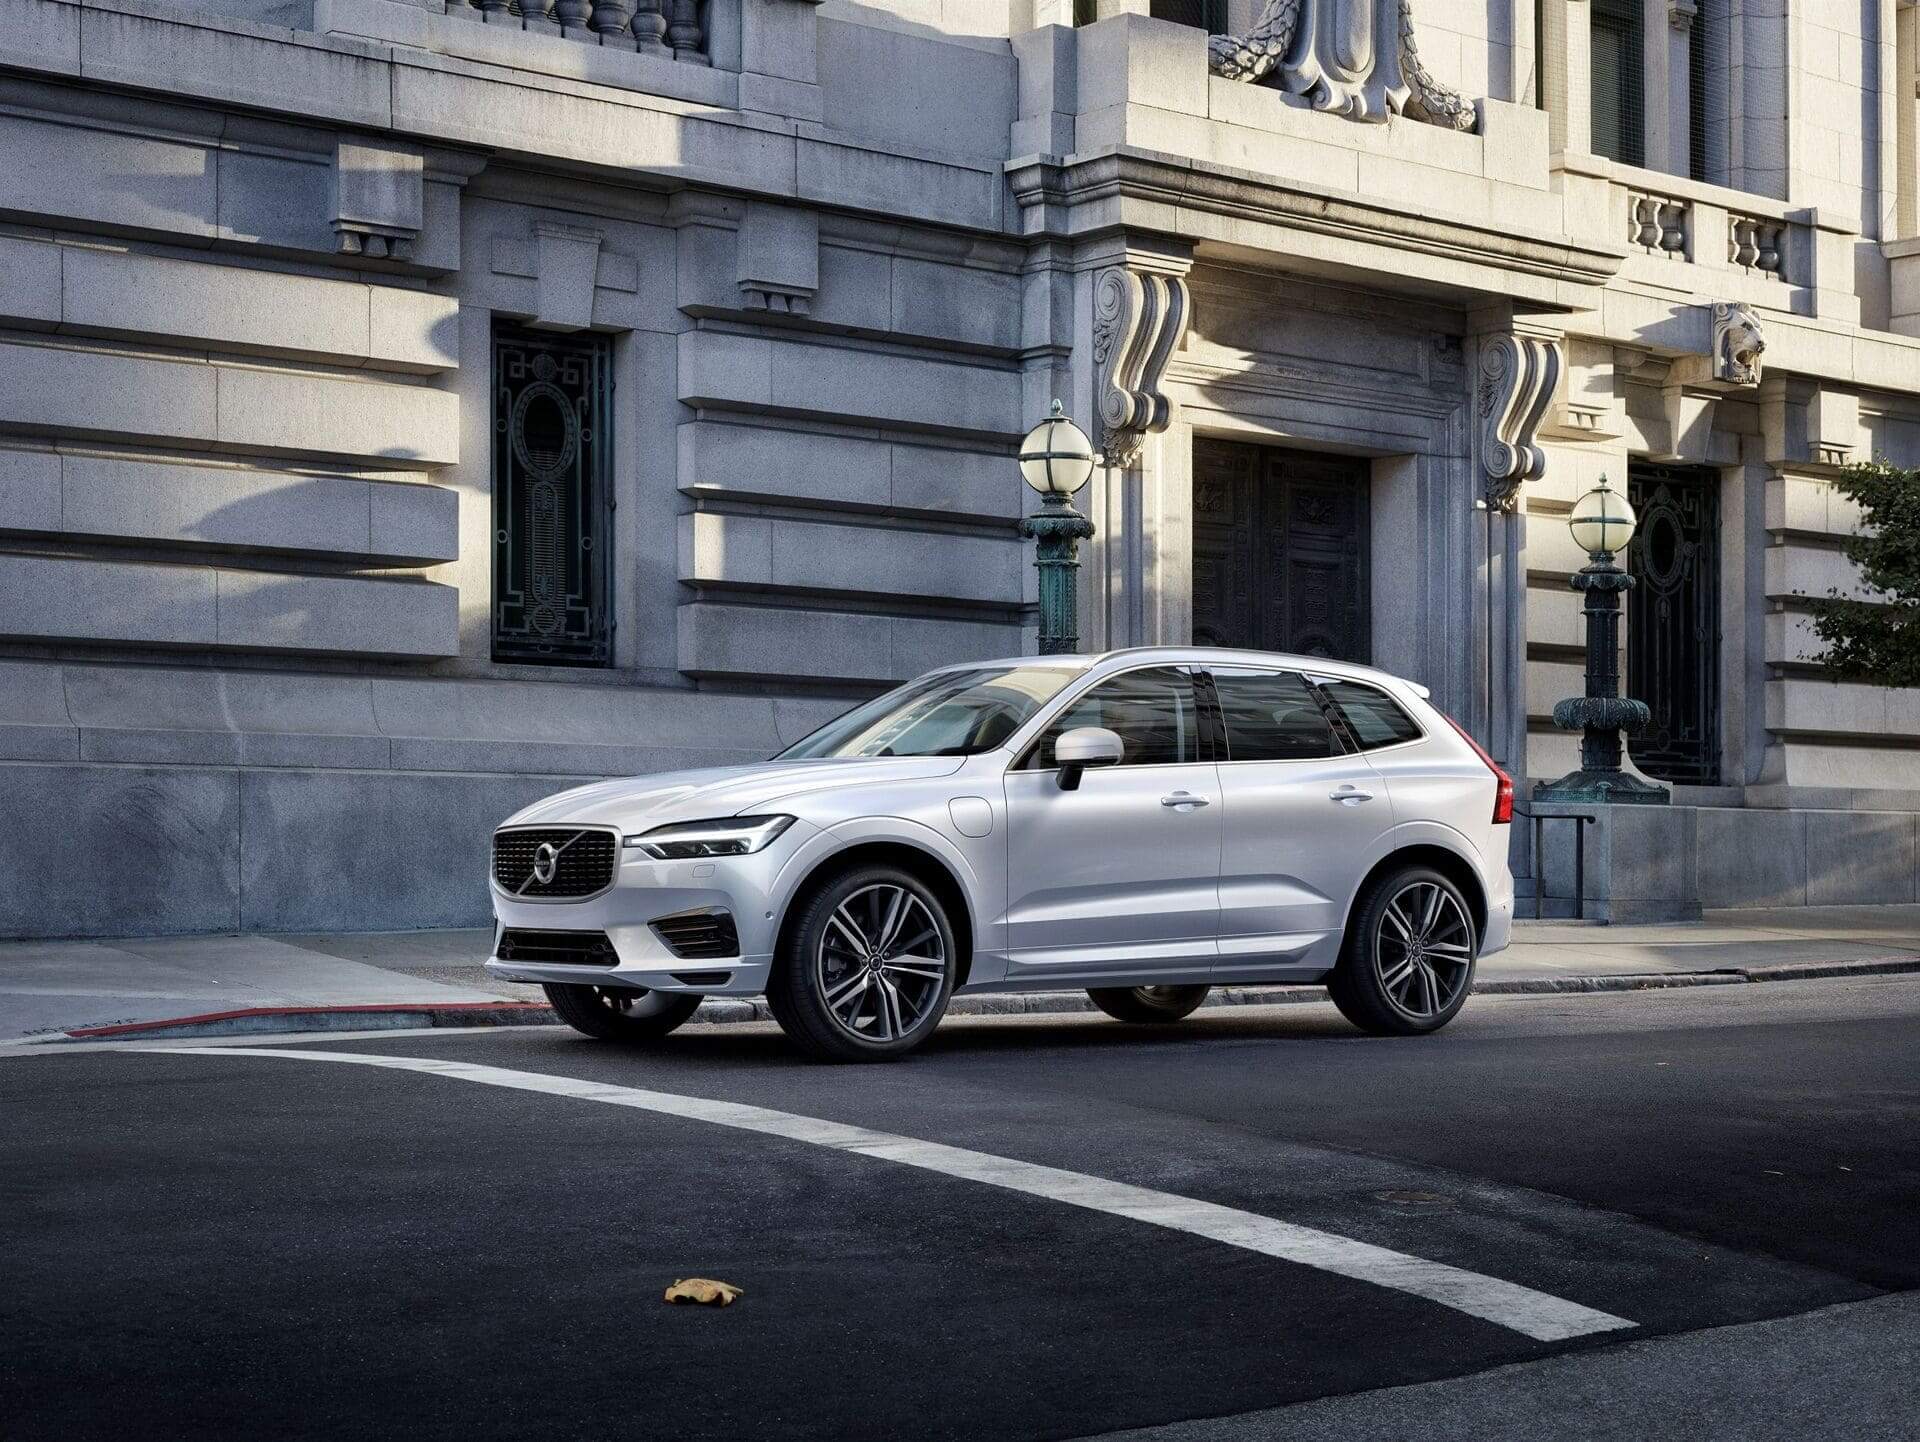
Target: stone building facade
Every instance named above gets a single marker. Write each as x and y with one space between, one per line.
410 407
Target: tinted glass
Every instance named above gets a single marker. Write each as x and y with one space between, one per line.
1271 716
1374 718
953 713
1151 711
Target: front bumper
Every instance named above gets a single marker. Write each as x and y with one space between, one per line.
643 892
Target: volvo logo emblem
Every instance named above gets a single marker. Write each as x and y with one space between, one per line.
546 862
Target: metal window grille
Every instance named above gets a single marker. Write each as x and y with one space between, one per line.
1619 101
1208 15
552 502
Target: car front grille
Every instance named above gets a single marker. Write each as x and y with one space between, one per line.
699 935
557 948
582 861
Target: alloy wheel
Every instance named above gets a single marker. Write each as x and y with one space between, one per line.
881 965
1424 949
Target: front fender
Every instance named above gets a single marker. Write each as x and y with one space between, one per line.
971 868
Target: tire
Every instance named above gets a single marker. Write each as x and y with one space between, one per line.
1148 1003
608 1013
1406 962
858 980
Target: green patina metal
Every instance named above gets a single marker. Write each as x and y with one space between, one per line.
1603 714
1058 529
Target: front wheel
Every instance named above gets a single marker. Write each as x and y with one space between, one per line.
613 1013
1148 1003
867 967
1406 963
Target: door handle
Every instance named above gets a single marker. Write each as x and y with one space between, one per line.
1351 793
1183 798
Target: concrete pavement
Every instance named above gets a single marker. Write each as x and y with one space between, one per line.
50 988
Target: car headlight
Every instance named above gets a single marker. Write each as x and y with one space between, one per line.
723 836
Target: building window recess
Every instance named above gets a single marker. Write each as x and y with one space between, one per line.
552 501
1619 84
1208 15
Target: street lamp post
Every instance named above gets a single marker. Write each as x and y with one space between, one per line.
1602 524
1056 459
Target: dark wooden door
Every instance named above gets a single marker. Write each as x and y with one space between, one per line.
1673 622
1280 551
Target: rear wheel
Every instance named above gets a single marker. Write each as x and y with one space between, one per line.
1406 964
613 1013
867 968
1148 1003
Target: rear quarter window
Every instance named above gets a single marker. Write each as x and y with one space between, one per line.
1374 718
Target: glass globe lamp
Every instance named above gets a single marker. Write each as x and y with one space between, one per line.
1056 458
1602 521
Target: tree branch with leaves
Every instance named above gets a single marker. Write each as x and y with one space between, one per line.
1878 640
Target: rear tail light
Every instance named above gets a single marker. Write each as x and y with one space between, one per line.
1503 791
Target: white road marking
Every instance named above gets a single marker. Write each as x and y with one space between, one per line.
1535 1314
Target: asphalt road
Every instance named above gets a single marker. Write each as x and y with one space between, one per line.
205 1243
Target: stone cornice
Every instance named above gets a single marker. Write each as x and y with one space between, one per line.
1147 191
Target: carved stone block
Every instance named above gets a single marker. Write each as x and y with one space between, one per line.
1738 343
379 197
778 259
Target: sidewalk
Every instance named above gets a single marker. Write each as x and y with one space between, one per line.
51 989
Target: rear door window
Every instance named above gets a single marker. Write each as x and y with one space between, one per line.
1373 718
1271 716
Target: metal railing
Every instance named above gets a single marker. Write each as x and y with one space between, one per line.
1581 822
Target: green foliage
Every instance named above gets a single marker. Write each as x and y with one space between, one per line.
1878 641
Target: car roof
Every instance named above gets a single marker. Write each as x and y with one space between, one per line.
1201 655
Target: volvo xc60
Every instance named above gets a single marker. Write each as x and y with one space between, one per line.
1145 824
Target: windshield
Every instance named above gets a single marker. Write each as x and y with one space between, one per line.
951 713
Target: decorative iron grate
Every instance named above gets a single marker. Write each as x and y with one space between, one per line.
552 446
1673 622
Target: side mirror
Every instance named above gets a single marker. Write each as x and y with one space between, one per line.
1082 747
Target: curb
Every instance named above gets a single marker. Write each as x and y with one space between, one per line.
722 1011
387 1016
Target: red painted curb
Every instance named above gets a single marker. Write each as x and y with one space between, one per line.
126 1028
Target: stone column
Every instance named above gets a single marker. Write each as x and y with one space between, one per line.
1566 75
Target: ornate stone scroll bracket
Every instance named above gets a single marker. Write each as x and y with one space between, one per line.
1518 374
1138 323
1738 343
1357 58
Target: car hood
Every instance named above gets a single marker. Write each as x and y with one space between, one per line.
634 801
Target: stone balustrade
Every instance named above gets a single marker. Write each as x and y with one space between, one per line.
1658 224
669 29
1662 224
1757 245
1715 240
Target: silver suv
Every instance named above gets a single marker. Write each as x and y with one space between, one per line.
1145 824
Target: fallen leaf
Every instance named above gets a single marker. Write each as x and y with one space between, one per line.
702 1290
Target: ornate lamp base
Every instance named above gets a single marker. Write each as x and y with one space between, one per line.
1601 788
